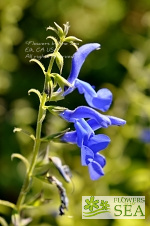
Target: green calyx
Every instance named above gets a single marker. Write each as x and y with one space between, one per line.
60 80
56 110
62 33
52 81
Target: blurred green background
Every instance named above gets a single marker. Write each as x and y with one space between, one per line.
122 65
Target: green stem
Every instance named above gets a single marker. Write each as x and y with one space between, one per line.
50 64
53 57
35 153
37 142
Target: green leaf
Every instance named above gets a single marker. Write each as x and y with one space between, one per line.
49 55
52 29
22 158
59 61
35 91
39 63
8 204
54 39
41 170
25 132
74 44
3 222
72 39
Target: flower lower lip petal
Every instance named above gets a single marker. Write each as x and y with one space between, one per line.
86 155
100 159
95 170
100 100
98 142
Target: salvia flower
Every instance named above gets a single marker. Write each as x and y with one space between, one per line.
84 136
87 119
77 62
102 98
87 112
90 145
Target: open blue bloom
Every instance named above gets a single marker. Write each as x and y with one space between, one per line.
71 137
86 139
77 62
86 119
86 136
85 133
90 145
87 112
100 100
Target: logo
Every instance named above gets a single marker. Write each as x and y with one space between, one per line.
113 207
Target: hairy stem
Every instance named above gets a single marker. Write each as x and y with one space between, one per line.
37 142
53 57
36 147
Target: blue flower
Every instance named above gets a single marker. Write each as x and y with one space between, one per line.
101 99
86 136
87 112
86 119
90 145
86 139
